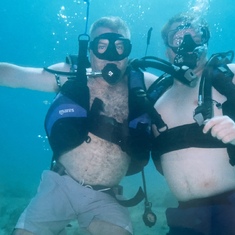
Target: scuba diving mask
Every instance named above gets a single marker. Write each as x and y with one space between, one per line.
111 47
188 43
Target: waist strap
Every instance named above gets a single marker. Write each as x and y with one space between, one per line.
112 191
181 137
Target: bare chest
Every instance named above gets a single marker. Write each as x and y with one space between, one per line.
114 99
100 161
177 107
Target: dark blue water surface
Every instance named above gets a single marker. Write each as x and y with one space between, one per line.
40 33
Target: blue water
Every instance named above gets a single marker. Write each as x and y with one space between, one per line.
40 33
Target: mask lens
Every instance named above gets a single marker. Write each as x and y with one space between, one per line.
176 36
102 46
111 46
120 47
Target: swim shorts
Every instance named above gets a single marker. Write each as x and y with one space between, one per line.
61 199
208 216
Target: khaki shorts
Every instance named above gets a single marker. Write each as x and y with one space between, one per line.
61 199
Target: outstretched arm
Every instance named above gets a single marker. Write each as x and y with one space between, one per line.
31 78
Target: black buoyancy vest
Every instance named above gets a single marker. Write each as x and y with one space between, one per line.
69 119
133 135
66 122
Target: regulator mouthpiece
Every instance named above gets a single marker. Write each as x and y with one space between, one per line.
111 73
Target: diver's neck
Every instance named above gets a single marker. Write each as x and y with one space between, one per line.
200 68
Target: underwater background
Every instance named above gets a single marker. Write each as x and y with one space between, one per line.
41 33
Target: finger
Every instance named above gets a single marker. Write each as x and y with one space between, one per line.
208 125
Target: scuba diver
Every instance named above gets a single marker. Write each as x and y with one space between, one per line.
196 150
94 127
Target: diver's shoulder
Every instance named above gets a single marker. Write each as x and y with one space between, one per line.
232 68
149 78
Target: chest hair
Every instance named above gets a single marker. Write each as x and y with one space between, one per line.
115 98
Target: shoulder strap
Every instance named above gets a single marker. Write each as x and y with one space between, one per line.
136 80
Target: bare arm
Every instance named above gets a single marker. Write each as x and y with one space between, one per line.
31 78
222 127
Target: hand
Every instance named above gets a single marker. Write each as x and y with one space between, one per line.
222 128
